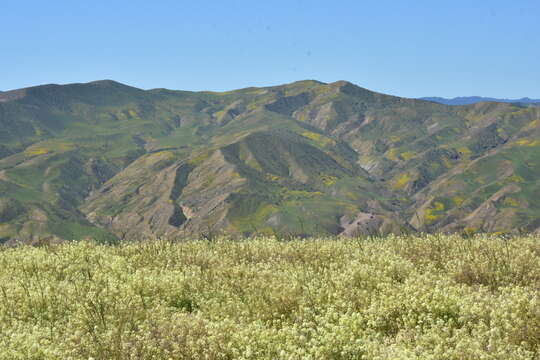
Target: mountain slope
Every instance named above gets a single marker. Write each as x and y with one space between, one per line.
469 100
109 161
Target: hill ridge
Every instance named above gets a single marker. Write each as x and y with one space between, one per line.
467 100
109 161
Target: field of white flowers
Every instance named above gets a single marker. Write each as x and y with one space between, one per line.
426 297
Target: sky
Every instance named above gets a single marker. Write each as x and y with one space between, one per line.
408 48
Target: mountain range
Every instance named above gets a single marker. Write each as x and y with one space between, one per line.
468 100
111 162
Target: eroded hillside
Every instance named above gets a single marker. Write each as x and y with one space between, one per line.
109 161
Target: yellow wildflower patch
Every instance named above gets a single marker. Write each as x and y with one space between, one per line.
439 206
464 151
458 200
515 179
511 202
328 179
401 181
273 177
48 147
430 217
169 155
432 214
320 139
408 155
219 114
199 159
527 142
37 151
392 154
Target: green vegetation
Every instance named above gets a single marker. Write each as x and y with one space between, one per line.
304 158
426 297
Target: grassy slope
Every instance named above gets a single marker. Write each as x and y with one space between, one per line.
68 140
433 297
289 158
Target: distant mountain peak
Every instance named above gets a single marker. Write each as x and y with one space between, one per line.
341 83
468 100
107 82
310 81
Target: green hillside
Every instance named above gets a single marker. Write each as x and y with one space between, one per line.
107 161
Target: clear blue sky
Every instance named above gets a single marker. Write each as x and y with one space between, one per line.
407 48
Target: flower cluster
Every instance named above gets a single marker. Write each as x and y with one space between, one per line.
399 297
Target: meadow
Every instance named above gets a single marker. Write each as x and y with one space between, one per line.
397 297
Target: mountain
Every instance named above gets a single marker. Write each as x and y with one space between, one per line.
468 100
111 162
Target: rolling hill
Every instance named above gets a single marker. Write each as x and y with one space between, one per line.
107 161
